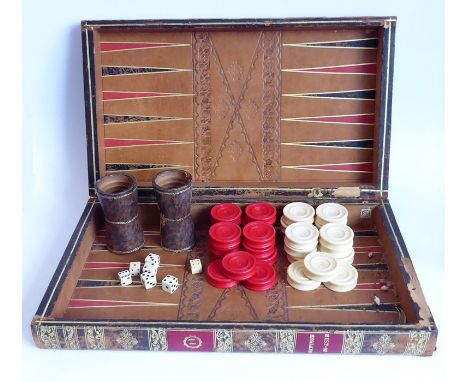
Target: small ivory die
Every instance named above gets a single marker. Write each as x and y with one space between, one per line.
170 284
134 268
125 273
195 266
150 267
125 278
148 280
153 258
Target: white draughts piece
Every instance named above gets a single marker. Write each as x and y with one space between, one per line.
320 266
336 235
297 273
302 233
345 279
332 213
299 212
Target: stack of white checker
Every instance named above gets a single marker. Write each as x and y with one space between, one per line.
296 212
318 268
337 240
300 240
330 213
331 261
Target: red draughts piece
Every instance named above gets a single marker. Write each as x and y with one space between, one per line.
264 278
239 265
222 252
226 212
258 234
223 247
259 253
225 233
261 211
270 259
216 277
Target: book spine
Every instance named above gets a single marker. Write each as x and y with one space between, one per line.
417 342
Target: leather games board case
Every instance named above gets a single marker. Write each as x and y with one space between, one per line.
274 110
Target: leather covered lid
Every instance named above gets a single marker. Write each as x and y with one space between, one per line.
241 104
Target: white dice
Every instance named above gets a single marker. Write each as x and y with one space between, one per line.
148 279
125 278
153 258
150 267
195 266
134 268
149 271
170 284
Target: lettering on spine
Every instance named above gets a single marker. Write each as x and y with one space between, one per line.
326 343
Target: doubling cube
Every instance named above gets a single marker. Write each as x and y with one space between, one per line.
153 258
170 284
125 278
148 280
195 266
134 268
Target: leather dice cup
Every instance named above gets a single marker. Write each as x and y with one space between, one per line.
117 194
173 189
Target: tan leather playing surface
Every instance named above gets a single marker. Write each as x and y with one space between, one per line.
98 295
230 107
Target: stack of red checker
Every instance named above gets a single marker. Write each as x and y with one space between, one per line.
259 240
261 211
223 238
226 212
254 265
241 266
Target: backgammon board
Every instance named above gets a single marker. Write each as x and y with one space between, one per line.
274 110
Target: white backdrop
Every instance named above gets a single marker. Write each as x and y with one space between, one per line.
55 179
